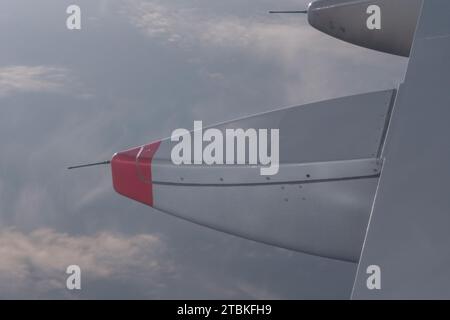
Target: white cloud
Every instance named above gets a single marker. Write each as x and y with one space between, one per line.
36 262
33 79
192 27
310 60
262 34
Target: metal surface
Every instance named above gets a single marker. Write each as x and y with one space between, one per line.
340 129
320 200
164 172
408 235
324 218
347 20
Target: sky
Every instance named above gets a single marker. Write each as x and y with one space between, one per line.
137 70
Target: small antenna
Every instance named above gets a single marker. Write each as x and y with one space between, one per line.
89 165
296 11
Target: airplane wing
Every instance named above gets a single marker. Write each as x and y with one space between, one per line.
318 202
408 235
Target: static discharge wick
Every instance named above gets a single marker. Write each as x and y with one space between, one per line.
298 11
89 165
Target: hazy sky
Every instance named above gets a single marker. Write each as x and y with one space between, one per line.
137 70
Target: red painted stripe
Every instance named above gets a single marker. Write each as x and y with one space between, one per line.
132 173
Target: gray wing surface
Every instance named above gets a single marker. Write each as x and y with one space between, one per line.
409 231
321 198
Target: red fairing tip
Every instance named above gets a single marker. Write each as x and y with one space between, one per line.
132 173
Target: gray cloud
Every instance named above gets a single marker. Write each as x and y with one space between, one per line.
299 52
17 79
35 262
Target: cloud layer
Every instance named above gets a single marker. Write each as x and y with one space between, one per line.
17 79
44 254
